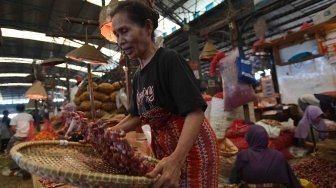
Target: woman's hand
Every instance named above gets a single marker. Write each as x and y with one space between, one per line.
129 123
168 171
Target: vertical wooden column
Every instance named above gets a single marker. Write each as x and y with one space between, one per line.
93 109
67 81
194 52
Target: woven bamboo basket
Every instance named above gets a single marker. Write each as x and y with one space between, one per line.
72 163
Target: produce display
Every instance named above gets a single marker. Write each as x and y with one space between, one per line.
114 148
319 171
104 99
45 135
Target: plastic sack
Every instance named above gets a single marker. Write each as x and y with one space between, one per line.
217 119
235 92
272 131
237 129
147 132
245 70
121 99
240 143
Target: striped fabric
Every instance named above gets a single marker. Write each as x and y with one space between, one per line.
201 167
264 185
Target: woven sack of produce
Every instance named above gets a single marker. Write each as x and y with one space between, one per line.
94 86
239 142
108 106
227 148
81 90
87 114
113 96
237 129
121 110
227 157
105 88
116 86
100 113
77 101
85 96
86 105
100 96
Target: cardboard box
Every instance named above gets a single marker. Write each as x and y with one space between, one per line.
325 14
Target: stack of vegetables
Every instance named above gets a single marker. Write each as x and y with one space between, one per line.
47 133
317 170
104 99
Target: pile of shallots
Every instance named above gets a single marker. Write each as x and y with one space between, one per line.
114 148
319 171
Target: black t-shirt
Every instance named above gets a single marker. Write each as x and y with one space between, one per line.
168 82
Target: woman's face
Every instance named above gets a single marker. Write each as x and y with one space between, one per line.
132 38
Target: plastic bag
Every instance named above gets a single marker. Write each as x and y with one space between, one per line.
237 129
121 99
217 119
235 92
245 70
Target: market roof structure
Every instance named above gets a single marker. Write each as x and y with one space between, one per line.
32 30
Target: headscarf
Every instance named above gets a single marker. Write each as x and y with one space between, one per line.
259 164
310 115
257 138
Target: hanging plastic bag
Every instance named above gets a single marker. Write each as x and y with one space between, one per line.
235 92
245 70
121 99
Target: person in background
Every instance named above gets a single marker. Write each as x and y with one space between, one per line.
20 129
19 126
312 117
260 164
327 103
166 96
5 132
74 89
37 119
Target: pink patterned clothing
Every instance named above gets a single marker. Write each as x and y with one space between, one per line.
201 166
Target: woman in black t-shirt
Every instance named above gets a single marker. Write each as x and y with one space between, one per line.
166 96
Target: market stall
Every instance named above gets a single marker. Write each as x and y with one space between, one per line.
260 62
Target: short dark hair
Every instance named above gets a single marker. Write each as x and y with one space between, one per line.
137 12
20 107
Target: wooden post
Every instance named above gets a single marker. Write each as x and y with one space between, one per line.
194 52
93 109
68 81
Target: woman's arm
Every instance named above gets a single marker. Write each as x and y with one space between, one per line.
129 123
170 167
